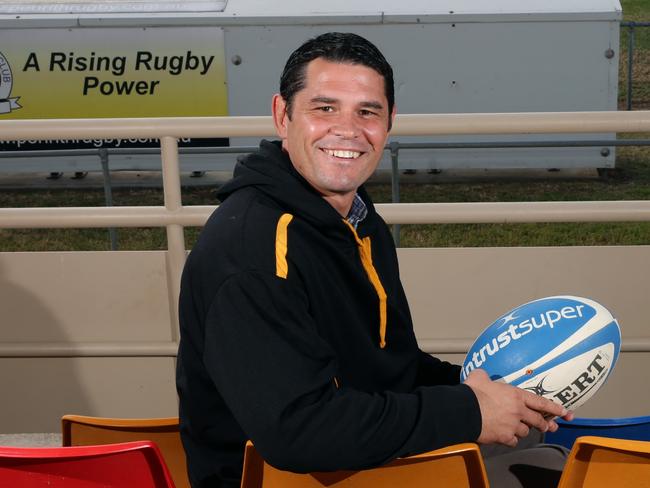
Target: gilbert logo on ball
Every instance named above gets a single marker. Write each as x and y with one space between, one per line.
562 348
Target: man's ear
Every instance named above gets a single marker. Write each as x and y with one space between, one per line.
280 115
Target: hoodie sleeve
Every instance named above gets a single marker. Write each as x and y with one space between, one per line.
433 371
277 376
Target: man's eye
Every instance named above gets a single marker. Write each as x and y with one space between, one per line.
325 108
367 113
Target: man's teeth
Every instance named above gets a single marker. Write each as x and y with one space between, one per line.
343 154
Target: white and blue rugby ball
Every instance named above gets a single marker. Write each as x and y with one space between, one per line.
562 348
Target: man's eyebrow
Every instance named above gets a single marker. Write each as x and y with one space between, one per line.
373 104
331 101
320 99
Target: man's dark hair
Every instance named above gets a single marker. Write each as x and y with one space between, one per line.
338 47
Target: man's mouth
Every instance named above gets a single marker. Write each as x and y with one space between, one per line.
343 154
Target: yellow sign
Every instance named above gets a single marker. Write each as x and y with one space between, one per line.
112 72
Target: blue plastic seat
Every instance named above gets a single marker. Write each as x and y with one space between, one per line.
632 428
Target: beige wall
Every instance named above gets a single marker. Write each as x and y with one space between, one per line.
90 332
78 308
455 293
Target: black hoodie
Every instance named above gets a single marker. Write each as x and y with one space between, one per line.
296 334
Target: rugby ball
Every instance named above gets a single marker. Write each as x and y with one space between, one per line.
562 348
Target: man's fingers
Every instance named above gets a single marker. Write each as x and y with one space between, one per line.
544 405
552 426
512 442
569 416
522 431
477 375
533 418
508 413
543 412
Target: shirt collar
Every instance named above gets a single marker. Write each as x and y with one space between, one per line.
358 211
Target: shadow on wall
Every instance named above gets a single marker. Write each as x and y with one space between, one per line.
36 391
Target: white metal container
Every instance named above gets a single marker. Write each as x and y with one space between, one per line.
449 56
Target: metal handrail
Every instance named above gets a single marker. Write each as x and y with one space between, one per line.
88 349
402 213
139 151
405 124
169 348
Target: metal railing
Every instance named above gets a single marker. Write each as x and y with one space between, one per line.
174 216
631 44
393 148
169 129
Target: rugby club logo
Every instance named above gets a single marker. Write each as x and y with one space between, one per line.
7 104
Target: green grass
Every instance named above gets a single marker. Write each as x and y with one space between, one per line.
635 11
512 235
631 181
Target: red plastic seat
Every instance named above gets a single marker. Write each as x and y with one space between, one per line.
79 430
127 465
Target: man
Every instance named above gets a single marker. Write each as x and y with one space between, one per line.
295 331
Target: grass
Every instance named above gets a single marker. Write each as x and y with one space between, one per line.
635 11
631 181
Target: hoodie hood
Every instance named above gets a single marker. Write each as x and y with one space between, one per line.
270 171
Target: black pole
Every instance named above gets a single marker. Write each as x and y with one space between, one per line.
108 194
394 160
630 62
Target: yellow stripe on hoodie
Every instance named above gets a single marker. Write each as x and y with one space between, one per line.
281 266
365 252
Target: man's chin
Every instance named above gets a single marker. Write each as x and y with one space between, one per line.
343 188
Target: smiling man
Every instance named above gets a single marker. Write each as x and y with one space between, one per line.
335 128
295 330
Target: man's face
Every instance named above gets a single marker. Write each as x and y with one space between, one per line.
338 126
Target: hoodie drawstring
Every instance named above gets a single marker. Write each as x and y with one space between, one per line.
365 252
281 266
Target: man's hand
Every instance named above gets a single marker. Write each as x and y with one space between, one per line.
509 412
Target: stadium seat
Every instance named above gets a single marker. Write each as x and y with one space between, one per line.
632 428
126 465
456 466
79 430
597 462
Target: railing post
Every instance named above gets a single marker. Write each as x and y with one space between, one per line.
175 258
394 179
108 194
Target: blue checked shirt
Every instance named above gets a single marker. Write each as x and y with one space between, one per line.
357 212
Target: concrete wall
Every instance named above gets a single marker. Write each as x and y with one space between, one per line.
91 333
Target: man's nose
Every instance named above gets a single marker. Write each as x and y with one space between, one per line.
345 126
